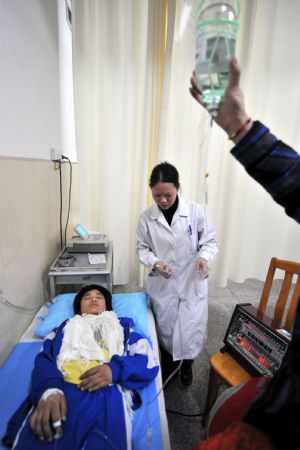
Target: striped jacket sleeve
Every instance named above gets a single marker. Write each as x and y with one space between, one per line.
138 366
273 164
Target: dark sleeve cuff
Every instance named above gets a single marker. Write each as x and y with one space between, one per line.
259 139
116 371
49 384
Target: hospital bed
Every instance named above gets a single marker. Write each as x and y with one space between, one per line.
150 426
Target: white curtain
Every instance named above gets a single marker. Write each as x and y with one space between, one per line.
120 53
133 110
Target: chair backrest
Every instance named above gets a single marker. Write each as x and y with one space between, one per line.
290 268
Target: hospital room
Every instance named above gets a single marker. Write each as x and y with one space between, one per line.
150 237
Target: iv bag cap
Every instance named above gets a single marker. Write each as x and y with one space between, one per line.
234 4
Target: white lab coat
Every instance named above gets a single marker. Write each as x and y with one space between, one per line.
180 302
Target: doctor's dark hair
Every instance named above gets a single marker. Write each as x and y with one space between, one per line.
84 290
164 173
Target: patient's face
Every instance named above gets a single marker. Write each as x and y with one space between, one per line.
93 302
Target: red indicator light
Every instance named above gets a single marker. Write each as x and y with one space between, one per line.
262 360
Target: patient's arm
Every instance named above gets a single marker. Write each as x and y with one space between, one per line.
138 367
51 411
45 374
46 393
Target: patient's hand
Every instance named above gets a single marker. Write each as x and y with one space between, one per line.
46 421
96 378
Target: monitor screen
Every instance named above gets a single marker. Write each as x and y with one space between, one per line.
81 231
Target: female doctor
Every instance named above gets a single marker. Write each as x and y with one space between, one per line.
176 241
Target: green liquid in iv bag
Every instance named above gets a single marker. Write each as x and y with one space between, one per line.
216 31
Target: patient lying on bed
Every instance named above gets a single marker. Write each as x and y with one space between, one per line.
84 381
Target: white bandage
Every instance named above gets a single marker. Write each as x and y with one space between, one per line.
49 392
56 424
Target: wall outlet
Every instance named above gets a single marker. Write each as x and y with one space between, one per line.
56 155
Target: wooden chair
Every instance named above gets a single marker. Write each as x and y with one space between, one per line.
224 368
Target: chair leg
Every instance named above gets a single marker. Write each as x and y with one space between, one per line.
212 391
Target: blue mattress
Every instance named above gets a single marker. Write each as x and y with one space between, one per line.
150 430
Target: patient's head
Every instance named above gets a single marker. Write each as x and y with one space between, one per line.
92 299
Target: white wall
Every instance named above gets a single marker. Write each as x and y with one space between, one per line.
66 83
29 126
29 79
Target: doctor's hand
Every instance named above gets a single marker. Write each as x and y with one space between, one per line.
231 114
96 378
163 269
202 268
46 421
